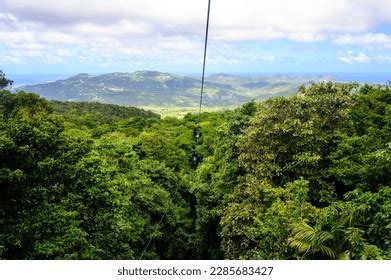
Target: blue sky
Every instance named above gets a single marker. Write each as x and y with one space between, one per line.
247 36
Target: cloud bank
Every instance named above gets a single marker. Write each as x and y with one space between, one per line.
176 27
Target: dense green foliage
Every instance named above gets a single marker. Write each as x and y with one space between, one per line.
300 177
107 113
4 82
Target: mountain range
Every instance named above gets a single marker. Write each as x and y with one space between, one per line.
151 88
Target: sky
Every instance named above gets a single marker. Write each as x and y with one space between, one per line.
246 36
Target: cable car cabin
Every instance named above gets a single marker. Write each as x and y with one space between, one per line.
195 160
197 134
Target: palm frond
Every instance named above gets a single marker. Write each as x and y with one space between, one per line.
307 239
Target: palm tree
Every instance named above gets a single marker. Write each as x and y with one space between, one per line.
313 241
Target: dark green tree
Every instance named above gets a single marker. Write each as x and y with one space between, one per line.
4 82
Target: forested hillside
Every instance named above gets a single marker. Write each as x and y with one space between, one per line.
157 89
299 177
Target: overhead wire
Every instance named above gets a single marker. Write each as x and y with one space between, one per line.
204 63
152 235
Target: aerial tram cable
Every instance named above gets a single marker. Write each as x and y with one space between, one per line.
150 239
195 158
203 66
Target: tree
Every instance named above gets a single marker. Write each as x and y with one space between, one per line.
4 82
298 144
217 176
299 177
363 155
36 170
292 137
311 240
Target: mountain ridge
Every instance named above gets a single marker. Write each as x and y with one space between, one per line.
154 88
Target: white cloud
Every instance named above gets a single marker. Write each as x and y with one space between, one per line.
180 43
268 58
369 40
365 39
383 58
350 57
8 17
20 55
131 51
243 34
175 28
306 37
117 29
301 20
10 59
55 37
63 53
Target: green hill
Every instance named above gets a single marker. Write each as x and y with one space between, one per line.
111 111
157 89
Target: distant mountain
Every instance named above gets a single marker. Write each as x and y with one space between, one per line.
151 88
